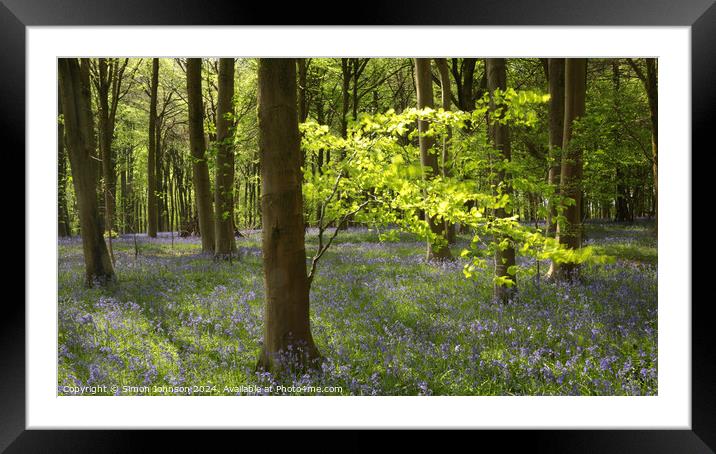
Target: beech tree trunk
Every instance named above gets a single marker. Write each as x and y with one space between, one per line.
650 81
428 154
345 94
445 99
223 194
79 134
287 330
652 91
500 140
63 218
556 130
569 233
152 208
197 145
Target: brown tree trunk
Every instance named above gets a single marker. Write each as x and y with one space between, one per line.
223 194
500 139
152 221
286 317
445 100
428 156
197 144
569 233
556 129
63 218
105 142
159 174
653 96
346 74
130 207
79 133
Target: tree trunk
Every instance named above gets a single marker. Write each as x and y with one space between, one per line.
287 329
159 175
346 74
152 221
569 233
446 171
556 129
653 96
63 218
428 156
197 144
79 133
500 138
105 143
223 194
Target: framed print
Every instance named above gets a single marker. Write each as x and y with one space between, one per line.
549 308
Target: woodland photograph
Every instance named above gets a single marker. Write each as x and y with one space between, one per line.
357 226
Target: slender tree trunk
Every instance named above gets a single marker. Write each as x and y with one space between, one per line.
79 133
223 194
346 73
428 156
446 165
131 198
152 222
286 317
500 138
569 233
197 145
124 198
653 96
556 129
105 141
622 214
63 218
159 175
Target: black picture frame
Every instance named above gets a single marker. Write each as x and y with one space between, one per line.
700 15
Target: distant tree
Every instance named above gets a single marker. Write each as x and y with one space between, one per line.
223 194
79 133
499 135
569 232
428 154
152 205
286 316
197 145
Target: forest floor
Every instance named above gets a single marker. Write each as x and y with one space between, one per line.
386 321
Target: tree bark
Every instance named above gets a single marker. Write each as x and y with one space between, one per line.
500 139
569 233
197 144
287 328
152 221
79 133
428 155
556 130
223 194
446 103
345 95
63 218
653 96
106 74
650 81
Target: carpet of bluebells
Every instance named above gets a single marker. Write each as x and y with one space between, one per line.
386 321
